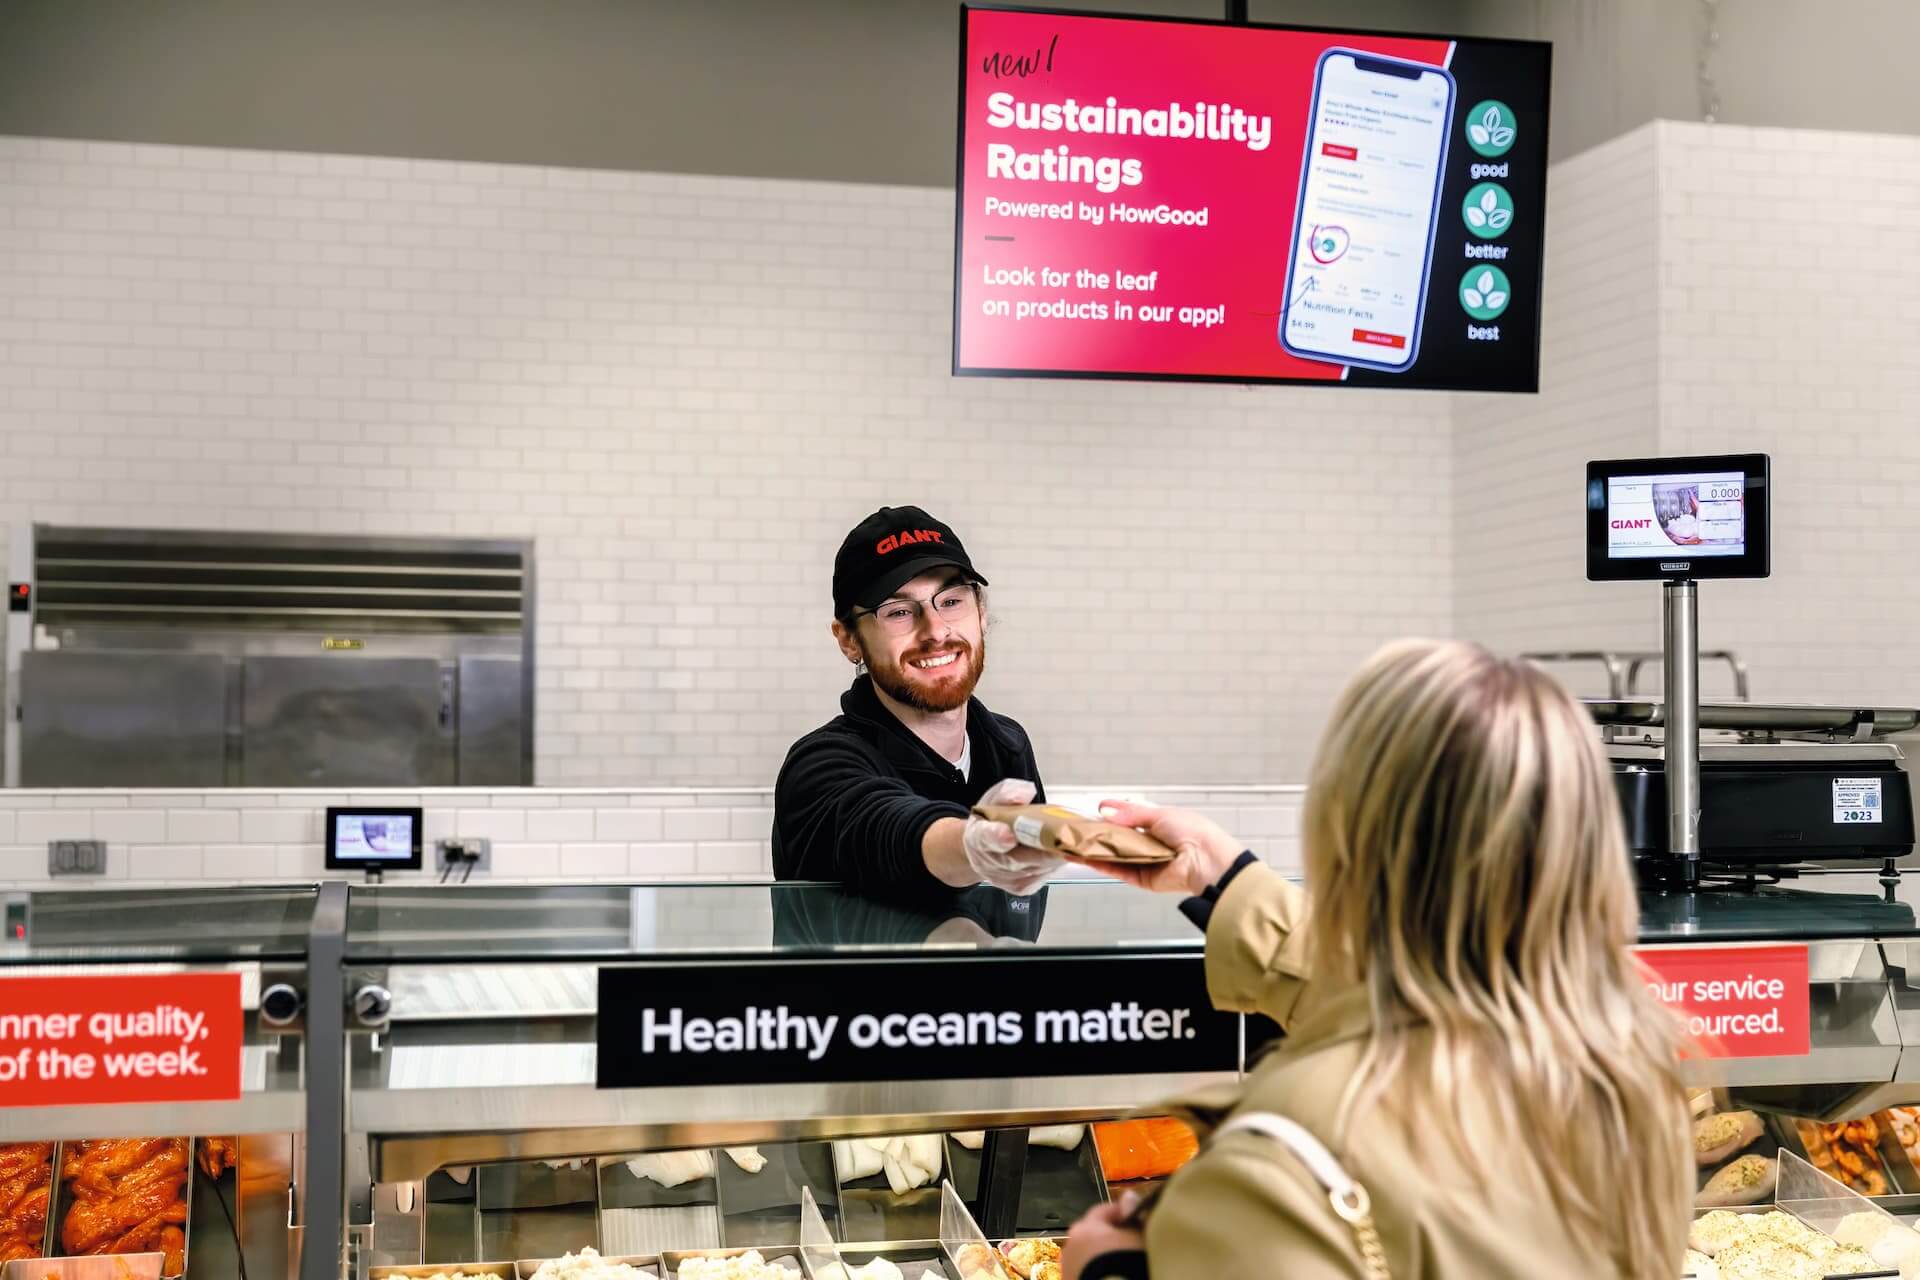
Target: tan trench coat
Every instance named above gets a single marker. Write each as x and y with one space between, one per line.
1245 1207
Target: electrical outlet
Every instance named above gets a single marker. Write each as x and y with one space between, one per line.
479 848
76 857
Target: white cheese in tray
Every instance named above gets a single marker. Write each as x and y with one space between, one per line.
741 1266
588 1265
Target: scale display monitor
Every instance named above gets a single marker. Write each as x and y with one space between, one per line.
1694 517
374 839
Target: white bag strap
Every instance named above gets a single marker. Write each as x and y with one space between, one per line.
1348 1198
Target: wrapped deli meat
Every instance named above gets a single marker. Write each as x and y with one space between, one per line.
1048 826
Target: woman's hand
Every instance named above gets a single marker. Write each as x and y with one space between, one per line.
1202 849
1100 1230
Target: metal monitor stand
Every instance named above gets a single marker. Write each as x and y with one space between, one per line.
1680 655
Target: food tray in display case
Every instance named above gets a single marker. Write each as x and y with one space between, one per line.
61 1203
1056 1186
647 1264
536 1209
914 1259
787 1259
760 1207
123 1266
870 1209
969 1256
1725 1142
639 1215
1853 1153
1807 1206
427 1271
47 1228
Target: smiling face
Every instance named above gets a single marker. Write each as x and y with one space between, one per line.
925 645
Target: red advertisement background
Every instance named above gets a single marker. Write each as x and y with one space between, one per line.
1239 259
217 995
1787 963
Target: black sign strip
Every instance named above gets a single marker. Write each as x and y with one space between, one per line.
975 1017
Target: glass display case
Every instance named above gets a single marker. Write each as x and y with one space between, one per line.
497 1074
237 1160
482 1088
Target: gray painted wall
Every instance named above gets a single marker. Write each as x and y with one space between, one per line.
854 90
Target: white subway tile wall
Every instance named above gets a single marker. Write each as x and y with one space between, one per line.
1787 314
687 389
617 837
1520 461
1700 299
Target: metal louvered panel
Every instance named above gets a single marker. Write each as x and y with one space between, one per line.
117 577
307 633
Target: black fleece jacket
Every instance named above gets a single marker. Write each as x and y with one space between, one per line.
856 796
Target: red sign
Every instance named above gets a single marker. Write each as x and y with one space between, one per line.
1380 339
1339 152
150 1037
1738 1002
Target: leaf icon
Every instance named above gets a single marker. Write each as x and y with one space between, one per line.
1501 136
1499 219
1479 135
1491 118
1486 282
1475 218
1473 298
1490 201
1496 299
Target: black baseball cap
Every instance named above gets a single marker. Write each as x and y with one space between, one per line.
891 547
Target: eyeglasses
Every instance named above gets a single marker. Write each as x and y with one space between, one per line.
898 617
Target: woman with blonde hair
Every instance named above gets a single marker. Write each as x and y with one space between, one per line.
1475 1082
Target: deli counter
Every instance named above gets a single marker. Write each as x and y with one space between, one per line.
482 1077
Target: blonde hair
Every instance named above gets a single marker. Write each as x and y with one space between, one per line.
1468 866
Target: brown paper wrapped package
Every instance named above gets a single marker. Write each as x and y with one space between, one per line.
1045 826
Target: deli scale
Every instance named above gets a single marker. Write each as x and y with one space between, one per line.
1778 785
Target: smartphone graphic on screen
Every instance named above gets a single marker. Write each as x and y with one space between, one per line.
1364 226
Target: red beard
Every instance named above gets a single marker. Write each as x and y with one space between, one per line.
944 690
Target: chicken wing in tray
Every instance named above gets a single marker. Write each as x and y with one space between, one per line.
129 1196
217 1155
26 1176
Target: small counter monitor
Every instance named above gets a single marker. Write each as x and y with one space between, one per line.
1695 517
373 839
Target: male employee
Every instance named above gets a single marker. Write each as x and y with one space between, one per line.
878 798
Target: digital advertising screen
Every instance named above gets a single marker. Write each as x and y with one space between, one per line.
1177 199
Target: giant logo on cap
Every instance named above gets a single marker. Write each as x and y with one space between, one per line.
894 541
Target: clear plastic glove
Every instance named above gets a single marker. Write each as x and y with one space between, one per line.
996 856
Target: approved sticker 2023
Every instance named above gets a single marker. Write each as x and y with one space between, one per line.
1856 800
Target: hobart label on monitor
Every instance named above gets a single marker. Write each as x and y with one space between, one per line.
1856 800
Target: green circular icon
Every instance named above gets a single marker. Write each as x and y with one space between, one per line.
1484 292
1491 127
1488 210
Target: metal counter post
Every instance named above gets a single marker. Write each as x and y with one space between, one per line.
323 1256
1681 615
